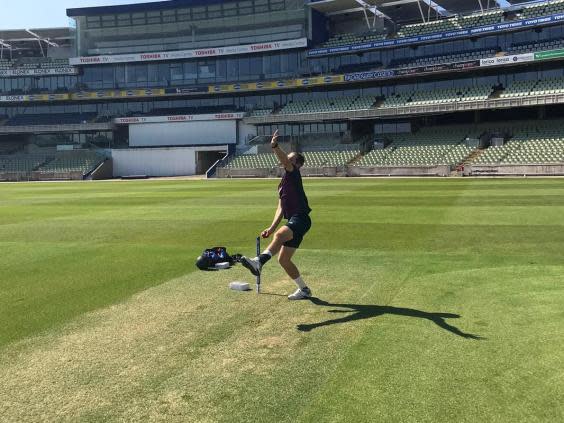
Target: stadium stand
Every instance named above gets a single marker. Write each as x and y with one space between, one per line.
329 158
531 46
260 112
410 30
530 87
49 161
21 163
328 105
428 146
481 19
72 161
531 143
441 25
345 39
253 161
543 9
430 60
312 159
439 96
280 82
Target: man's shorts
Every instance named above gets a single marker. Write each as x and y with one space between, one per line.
299 224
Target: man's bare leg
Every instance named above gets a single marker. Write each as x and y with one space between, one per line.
285 260
282 235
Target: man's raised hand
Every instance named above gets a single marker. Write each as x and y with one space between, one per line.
274 140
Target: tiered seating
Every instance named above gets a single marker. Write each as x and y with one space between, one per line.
546 8
72 161
518 89
450 95
260 112
526 88
5 64
328 105
9 147
199 110
253 161
328 158
447 58
312 159
481 19
428 147
397 99
536 150
442 25
33 63
51 119
549 86
554 44
442 96
21 163
494 155
346 39
532 143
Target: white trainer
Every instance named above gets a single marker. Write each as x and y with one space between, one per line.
253 264
300 294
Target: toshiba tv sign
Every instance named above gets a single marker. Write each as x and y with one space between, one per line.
190 54
177 118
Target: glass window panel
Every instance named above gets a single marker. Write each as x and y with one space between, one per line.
94 23
124 19
169 16
221 70
138 19
199 13
214 11
276 5
206 70
190 70
232 69
261 6
244 67
184 14
256 66
153 73
164 73
154 17
176 71
120 75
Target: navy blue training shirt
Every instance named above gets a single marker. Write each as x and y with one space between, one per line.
292 194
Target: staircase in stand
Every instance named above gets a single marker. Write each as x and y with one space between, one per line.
467 161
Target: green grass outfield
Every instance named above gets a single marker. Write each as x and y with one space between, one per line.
439 300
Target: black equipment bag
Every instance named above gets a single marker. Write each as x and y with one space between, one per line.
211 256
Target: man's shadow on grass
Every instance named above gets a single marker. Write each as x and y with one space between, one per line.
361 311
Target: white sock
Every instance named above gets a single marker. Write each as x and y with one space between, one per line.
267 252
300 282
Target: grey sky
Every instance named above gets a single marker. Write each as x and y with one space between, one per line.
18 14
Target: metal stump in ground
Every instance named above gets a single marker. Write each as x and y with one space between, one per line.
258 276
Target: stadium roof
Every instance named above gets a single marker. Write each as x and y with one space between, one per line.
43 33
33 41
412 10
140 7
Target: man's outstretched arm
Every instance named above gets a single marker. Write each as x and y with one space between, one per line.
282 156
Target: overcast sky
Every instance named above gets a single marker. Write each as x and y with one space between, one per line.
18 14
